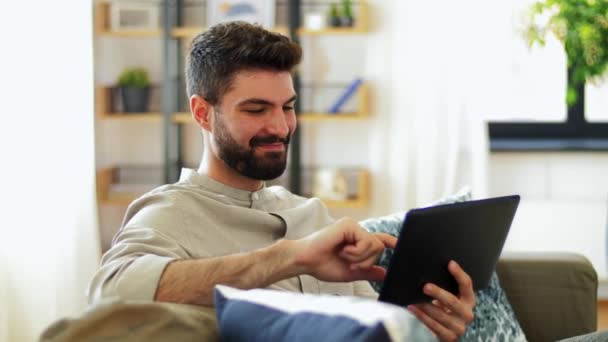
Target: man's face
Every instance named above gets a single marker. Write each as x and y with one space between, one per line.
254 122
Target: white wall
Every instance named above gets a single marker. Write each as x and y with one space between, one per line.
564 201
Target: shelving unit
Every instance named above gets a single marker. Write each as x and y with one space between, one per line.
362 112
169 116
103 105
361 25
362 199
183 118
189 32
102 27
105 178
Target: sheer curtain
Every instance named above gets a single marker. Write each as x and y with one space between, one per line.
48 236
441 56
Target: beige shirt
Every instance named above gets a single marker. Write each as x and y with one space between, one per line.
198 217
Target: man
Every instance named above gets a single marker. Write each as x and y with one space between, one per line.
222 225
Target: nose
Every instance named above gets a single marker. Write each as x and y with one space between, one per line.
279 124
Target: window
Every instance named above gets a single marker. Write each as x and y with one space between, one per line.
531 113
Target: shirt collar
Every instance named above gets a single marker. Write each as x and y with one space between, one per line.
196 178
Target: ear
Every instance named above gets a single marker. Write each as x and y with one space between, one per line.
201 112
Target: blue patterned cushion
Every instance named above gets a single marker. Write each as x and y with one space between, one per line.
494 318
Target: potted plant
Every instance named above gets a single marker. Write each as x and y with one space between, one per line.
582 27
134 86
347 18
334 15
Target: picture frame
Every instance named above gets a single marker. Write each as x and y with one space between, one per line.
134 16
253 11
330 184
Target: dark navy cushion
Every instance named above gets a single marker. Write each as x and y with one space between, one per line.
269 315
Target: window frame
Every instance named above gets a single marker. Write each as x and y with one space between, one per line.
574 134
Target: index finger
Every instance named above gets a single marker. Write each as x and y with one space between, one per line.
388 240
465 283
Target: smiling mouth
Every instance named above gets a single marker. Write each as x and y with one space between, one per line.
279 146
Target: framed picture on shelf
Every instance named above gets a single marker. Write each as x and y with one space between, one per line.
329 184
134 16
254 11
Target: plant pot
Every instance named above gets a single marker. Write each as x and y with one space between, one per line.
135 100
346 21
334 22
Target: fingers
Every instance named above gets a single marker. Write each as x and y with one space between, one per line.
465 284
363 260
448 315
448 300
364 247
443 333
388 240
441 306
373 273
452 323
360 247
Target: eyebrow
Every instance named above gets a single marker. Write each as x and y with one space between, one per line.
265 102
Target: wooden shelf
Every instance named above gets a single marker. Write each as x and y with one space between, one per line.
361 24
102 27
318 117
102 24
120 186
332 31
346 204
103 103
186 32
362 199
361 114
189 32
183 118
141 117
132 33
108 176
105 178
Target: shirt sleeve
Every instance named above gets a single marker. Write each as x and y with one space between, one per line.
364 289
143 247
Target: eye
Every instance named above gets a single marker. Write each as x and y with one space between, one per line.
255 111
287 109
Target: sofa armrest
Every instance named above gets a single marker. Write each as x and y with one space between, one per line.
553 295
116 320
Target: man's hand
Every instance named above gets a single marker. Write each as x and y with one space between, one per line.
343 252
448 315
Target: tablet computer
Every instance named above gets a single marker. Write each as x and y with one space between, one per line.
472 233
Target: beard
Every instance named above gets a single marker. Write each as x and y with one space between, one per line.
243 160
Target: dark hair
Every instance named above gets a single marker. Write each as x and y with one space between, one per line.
219 53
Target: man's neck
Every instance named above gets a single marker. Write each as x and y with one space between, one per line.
220 172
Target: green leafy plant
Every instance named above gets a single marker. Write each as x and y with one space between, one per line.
334 12
134 77
347 9
582 27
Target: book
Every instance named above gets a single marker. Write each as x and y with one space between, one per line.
348 92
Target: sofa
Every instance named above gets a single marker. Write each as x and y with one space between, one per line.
554 296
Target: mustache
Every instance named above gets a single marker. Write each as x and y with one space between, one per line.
270 139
